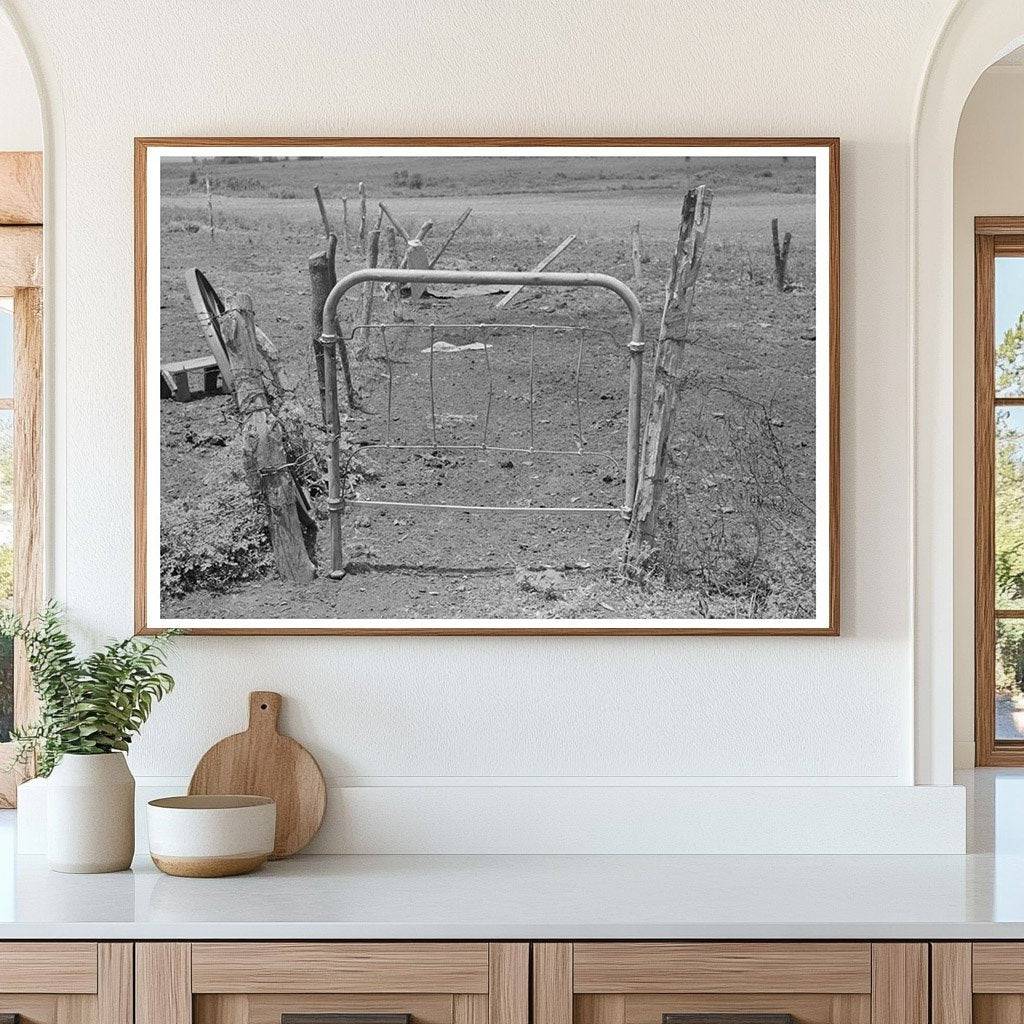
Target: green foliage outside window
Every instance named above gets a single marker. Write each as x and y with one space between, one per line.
1009 508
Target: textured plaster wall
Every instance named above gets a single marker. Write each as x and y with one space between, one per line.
379 711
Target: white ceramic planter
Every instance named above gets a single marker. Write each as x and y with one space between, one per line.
90 814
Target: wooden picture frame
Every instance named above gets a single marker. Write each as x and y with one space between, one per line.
147 212
21 266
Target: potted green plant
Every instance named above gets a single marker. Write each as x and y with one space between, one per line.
89 710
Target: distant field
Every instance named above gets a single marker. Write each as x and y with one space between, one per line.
467 177
739 522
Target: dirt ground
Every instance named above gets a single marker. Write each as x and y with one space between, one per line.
737 531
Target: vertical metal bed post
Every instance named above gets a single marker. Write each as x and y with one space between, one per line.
335 500
540 279
636 384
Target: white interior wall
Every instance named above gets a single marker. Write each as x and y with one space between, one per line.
21 124
435 716
988 181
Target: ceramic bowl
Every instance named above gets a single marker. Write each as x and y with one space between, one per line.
211 836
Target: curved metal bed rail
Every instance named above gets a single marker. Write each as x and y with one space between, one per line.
329 338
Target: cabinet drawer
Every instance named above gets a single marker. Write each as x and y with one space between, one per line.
262 982
340 967
736 982
630 967
48 967
66 982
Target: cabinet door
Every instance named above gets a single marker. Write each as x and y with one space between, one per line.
66 982
980 982
737 982
332 983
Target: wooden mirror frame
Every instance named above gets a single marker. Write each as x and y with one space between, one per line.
21 273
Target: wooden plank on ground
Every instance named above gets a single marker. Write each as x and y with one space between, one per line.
543 265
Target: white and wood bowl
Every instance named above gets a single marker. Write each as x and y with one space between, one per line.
211 836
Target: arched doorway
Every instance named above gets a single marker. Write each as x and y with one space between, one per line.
975 35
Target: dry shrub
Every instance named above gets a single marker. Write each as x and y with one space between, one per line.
737 534
215 536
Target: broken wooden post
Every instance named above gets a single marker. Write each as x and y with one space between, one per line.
451 235
319 288
323 212
322 279
344 228
668 371
781 255
638 252
209 206
362 214
543 265
267 468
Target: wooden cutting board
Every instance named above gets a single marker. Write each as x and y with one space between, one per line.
262 762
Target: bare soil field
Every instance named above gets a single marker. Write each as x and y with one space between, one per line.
737 530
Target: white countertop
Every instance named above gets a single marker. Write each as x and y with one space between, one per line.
532 897
978 896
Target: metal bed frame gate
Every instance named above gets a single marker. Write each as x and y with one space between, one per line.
330 339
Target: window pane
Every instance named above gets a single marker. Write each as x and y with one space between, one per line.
1009 324
6 348
6 567
1009 679
1009 484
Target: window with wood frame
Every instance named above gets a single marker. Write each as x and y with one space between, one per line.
21 364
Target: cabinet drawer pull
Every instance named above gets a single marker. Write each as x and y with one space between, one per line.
728 1018
338 1018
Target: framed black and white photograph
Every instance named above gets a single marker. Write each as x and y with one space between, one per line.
488 386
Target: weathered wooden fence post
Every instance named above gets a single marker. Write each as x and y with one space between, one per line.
393 291
322 278
366 299
209 206
781 255
638 252
323 212
263 450
344 228
668 371
362 213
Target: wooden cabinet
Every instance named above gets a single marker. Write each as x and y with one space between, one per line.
494 983
815 982
260 982
66 982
